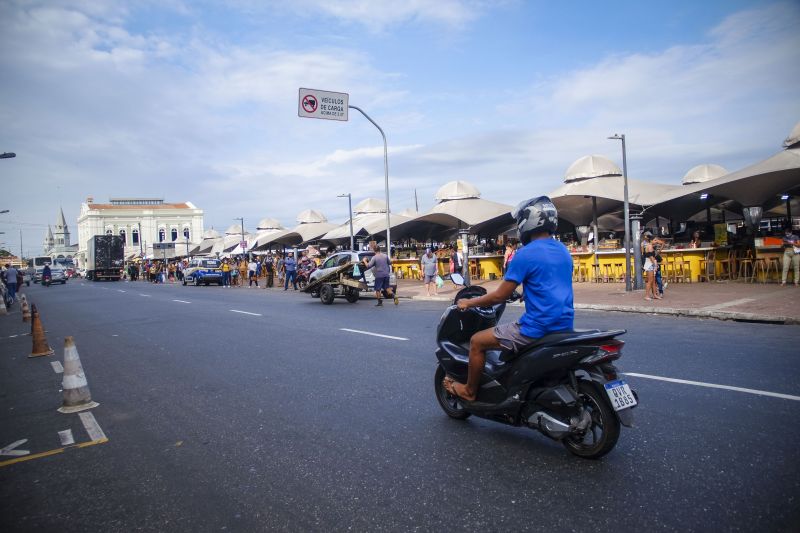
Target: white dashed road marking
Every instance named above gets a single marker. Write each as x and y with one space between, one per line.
57 368
715 386
182 301
66 437
374 334
245 312
145 295
91 425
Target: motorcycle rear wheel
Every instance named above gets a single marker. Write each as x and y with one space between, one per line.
604 422
449 403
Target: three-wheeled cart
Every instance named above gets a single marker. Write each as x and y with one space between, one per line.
338 283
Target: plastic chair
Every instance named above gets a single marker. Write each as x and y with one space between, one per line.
726 266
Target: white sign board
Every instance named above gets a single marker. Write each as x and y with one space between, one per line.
322 104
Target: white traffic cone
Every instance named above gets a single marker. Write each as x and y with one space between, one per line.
76 389
3 310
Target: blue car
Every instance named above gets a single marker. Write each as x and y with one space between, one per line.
203 272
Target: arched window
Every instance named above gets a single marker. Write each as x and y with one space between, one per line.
135 236
174 234
162 235
109 232
186 233
123 235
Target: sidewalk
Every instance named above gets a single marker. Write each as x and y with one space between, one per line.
721 300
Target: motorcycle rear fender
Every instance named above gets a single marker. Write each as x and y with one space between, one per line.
595 374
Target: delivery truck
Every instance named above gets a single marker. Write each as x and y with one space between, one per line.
105 258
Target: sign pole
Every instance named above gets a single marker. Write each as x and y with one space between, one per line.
386 178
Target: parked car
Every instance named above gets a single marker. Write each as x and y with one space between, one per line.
203 272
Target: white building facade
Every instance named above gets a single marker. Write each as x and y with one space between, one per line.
141 222
57 244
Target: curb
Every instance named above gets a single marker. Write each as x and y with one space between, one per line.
694 313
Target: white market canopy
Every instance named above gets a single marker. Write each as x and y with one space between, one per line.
598 177
311 226
459 207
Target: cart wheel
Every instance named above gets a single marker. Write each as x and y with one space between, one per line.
352 295
326 294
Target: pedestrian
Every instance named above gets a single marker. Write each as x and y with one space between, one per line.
290 269
455 261
11 281
507 257
658 245
280 268
429 272
242 271
269 267
791 256
226 274
382 268
252 271
649 268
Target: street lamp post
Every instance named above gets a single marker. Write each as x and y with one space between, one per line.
350 207
386 178
627 214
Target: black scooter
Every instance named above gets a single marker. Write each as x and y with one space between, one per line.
564 385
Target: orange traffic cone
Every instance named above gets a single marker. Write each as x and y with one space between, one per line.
3 310
76 389
26 310
40 346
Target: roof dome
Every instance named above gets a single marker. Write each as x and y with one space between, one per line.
457 190
793 138
310 216
702 173
370 205
591 166
234 229
211 234
269 223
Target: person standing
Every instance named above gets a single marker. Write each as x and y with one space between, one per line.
11 281
252 271
650 266
429 272
381 265
507 257
269 268
242 271
226 274
290 269
791 256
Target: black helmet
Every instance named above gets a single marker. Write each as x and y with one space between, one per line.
534 216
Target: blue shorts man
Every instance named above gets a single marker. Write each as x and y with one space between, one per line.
543 267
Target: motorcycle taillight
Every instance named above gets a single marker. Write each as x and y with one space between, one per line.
608 351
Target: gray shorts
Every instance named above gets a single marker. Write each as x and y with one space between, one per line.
429 279
510 338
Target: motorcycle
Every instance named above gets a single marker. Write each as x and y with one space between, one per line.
304 273
564 385
46 280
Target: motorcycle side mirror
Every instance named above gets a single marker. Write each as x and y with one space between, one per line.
457 279
515 296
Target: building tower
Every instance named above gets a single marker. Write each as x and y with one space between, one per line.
62 231
49 241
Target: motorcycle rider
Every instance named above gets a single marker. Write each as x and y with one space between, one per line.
46 274
543 267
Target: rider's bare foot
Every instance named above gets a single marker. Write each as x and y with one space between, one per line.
458 389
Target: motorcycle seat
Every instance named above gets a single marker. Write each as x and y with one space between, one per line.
560 338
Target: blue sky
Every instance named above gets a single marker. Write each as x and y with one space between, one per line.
197 100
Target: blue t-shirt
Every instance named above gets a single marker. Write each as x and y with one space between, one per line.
544 269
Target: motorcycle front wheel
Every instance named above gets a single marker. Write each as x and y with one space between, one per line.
602 435
449 403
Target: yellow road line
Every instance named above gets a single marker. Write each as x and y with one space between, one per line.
51 452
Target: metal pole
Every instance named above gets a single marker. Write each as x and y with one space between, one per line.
386 178
627 214
350 207
636 224
596 271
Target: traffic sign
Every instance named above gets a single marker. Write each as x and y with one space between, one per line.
327 105
243 245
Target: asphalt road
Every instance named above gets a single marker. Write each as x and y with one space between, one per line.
281 420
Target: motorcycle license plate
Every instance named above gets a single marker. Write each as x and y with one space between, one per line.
620 394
